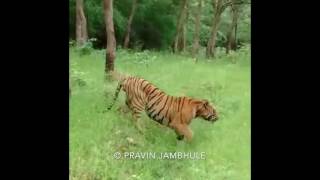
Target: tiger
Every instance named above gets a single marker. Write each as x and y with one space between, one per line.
170 111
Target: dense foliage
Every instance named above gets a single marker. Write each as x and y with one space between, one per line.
154 23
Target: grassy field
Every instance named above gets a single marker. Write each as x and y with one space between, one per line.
95 136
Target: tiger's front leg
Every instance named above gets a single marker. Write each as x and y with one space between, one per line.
182 131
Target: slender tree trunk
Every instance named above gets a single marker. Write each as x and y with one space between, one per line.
81 24
214 29
127 37
212 41
180 33
231 42
111 41
196 37
184 33
84 27
235 34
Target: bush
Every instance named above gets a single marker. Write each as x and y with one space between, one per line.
76 76
87 47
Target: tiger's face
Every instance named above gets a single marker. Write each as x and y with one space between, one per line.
207 112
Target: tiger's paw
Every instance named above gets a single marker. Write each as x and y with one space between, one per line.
180 137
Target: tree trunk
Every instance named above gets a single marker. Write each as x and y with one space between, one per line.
184 39
111 41
214 29
179 42
81 24
212 41
235 36
127 37
231 41
196 38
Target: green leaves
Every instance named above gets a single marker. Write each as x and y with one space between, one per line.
154 23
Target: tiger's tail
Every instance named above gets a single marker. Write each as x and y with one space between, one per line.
116 94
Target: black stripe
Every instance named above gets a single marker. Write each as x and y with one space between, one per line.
139 99
130 85
155 102
163 107
152 91
153 117
169 120
134 104
150 113
179 99
160 94
145 86
143 80
161 120
153 97
181 108
168 108
134 85
148 109
137 92
182 103
141 84
156 114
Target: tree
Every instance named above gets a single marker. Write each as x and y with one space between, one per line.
81 24
197 30
218 9
159 31
231 37
128 31
111 41
179 41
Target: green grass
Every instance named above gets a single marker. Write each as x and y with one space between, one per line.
95 136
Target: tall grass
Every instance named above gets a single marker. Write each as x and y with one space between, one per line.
95 136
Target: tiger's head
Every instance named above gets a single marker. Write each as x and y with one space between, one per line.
207 111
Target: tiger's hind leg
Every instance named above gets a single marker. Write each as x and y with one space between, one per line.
136 110
136 118
136 114
124 110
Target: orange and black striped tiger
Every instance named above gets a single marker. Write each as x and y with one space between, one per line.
173 112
